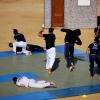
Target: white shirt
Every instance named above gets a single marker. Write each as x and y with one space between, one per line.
23 80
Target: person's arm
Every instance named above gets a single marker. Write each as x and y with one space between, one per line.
65 30
20 85
78 41
15 37
40 33
96 30
24 39
87 52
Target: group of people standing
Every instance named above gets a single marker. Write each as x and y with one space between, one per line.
71 38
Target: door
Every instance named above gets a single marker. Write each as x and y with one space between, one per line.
57 19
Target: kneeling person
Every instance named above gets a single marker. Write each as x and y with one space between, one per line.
29 47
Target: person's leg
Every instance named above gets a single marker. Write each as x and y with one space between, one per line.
15 45
47 60
44 82
91 59
37 84
67 55
52 55
18 49
72 54
97 61
24 45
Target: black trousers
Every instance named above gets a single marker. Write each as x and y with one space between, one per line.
31 48
68 53
92 59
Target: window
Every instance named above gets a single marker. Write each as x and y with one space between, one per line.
83 2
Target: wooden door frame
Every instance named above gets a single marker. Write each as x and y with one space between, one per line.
63 13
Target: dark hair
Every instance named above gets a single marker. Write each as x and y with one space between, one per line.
10 44
51 29
98 23
15 31
15 79
77 32
96 39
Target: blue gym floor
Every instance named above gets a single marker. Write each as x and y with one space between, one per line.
70 84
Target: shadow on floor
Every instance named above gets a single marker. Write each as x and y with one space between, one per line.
96 70
56 64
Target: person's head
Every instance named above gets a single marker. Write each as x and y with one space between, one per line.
15 31
77 32
10 44
51 30
96 39
98 23
15 80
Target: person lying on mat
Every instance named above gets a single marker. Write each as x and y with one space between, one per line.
26 82
29 47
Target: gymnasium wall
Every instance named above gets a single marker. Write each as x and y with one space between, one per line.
74 16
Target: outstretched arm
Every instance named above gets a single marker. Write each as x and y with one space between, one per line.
65 30
97 31
87 52
40 33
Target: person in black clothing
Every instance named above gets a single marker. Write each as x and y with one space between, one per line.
50 48
29 47
20 42
97 30
71 38
93 52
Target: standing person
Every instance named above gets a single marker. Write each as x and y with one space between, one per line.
20 42
50 48
93 52
97 30
71 38
26 82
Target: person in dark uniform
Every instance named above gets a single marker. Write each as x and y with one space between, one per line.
93 52
50 48
20 42
71 38
97 30
29 47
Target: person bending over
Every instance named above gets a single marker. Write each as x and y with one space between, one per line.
26 82
71 38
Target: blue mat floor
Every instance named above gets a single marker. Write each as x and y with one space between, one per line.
53 94
10 54
76 91
31 96
79 54
9 77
